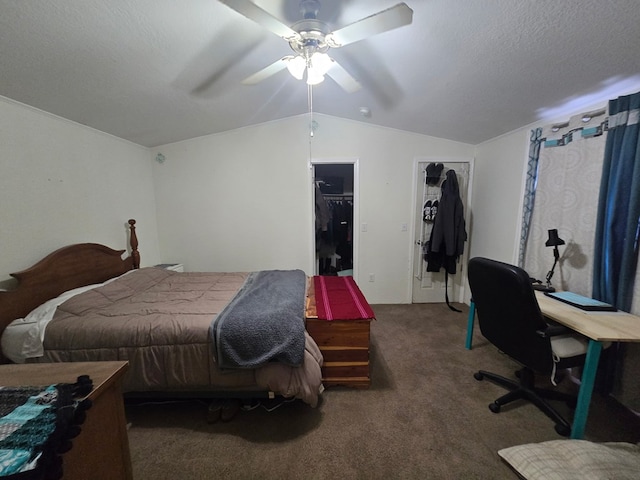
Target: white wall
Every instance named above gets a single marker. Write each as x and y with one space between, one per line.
496 204
241 200
236 200
63 183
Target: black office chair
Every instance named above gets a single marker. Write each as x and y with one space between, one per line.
510 318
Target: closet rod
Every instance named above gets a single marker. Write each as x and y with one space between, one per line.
337 196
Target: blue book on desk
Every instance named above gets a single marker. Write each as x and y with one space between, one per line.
585 303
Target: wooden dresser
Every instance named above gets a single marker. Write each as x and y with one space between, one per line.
101 451
344 345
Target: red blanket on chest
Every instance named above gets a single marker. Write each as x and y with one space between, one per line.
340 298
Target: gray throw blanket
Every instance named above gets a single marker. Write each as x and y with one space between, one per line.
264 322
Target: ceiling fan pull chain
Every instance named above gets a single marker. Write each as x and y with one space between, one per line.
311 127
310 104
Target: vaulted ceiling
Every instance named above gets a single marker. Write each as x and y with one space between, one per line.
159 71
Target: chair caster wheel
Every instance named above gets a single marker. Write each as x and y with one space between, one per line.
494 407
478 376
562 430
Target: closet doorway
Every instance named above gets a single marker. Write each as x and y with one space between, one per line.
335 196
429 287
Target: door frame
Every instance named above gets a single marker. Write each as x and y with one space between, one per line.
462 295
356 208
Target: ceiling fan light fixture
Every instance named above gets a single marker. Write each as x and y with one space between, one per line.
316 67
314 77
296 66
319 64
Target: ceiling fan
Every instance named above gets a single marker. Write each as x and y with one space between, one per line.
311 39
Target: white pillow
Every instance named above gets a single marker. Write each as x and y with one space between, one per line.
15 339
574 460
23 338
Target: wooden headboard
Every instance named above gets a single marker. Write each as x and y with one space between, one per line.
67 268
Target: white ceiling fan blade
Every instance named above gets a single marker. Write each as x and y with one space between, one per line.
261 17
394 17
343 78
266 72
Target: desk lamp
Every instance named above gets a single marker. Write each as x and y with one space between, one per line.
553 241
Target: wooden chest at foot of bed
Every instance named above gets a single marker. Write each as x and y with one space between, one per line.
345 347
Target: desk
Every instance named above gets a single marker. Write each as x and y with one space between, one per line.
598 327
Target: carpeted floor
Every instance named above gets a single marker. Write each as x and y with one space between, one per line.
424 417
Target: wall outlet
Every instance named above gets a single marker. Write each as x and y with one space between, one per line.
372 277
365 227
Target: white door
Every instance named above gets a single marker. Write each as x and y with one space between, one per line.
429 287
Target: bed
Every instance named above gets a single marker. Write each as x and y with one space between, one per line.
194 333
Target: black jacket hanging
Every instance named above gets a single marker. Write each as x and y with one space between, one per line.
448 235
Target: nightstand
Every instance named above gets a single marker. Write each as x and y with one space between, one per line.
101 450
175 267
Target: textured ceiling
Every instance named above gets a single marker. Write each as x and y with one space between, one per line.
160 71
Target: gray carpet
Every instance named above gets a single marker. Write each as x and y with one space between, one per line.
424 417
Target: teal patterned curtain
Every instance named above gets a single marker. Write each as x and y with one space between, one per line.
530 190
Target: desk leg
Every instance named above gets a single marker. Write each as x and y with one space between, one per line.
586 389
470 322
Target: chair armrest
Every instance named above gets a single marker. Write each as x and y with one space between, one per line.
553 330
